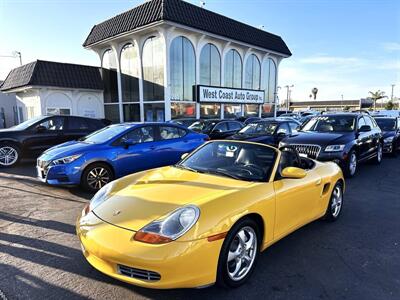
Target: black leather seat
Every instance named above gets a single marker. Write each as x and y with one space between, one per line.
289 158
245 157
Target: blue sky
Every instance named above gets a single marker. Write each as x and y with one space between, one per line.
342 47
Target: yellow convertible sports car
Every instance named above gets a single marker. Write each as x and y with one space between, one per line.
206 219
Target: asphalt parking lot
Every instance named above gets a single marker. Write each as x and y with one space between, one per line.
358 257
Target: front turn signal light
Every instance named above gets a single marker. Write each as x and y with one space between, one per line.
151 238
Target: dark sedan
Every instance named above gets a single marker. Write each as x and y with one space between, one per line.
390 127
269 132
186 122
217 129
32 137
346 138
248 120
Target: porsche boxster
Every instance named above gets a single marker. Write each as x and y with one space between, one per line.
207 218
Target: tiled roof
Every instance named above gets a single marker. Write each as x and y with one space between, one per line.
187 14
47 73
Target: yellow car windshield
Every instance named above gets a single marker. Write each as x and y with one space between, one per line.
241 161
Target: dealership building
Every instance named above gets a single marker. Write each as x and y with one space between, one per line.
167 59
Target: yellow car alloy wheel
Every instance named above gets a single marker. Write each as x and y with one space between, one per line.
335 204
239 253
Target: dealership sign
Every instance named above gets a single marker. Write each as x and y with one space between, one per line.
229 95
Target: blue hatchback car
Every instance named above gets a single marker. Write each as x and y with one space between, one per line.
116 151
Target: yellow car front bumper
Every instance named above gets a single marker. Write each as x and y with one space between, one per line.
112 250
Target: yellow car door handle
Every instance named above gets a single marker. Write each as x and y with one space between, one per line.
318 182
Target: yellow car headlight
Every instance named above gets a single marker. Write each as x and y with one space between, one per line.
170 228
98 198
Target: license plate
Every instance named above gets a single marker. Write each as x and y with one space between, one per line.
303 154
83 248
41 174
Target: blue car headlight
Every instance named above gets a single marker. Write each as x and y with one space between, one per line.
65 160
334 148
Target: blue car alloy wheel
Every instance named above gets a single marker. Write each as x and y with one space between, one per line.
116 151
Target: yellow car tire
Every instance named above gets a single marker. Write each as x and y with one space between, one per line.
335 204
239 250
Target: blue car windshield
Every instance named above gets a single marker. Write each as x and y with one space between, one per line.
105 134
241 161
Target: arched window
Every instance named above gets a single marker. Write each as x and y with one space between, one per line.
183 69
233 69
252 73
129 74
109 76
153 69
210 66
269 80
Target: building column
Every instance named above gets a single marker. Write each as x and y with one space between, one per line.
116 51
277 62
245 54
223 51
165 35
139 44
199 46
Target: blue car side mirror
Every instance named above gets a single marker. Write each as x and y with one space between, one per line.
130 142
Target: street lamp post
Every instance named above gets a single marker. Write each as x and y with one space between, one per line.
287 95
18 54
276 100
15 54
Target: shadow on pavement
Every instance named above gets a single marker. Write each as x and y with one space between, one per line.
48 224
25 168
29 286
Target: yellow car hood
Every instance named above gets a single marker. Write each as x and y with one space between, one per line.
157 192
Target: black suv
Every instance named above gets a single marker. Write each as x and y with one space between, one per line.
217 129
267 131
346 138
390 127
32 137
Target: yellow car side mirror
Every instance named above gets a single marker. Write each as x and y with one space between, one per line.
293 172
184 155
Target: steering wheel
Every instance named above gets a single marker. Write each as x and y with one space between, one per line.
252 169
296 157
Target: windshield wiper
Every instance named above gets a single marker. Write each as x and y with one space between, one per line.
187 168
223 173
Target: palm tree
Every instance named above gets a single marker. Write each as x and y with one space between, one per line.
375 96
314 92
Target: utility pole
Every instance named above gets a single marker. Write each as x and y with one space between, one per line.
391 98
341 103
